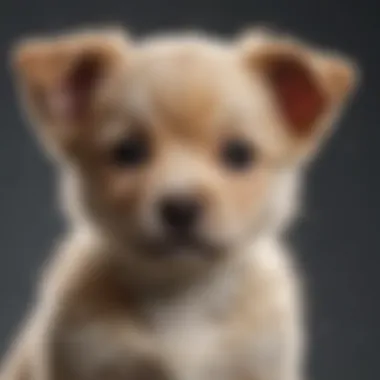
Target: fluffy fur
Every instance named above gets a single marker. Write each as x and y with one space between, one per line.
121 299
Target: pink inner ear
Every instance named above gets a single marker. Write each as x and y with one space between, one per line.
73 100
300 99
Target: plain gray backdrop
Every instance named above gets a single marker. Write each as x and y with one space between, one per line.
337 239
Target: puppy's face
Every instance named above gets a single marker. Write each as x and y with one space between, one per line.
179 145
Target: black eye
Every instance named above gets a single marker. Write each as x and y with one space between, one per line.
238 154
131 151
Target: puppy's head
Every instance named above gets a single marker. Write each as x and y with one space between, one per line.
181 144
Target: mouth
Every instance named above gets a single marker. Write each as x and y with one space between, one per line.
180 246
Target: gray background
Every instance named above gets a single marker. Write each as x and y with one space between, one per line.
337 238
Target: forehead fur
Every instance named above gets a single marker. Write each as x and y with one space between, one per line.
197 85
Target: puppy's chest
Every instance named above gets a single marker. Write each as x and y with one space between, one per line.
201 336
221 332
192 341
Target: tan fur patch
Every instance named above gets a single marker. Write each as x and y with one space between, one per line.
185 117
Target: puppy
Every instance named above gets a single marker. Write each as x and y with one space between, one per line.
180 160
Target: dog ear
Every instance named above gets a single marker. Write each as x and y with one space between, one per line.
308 86
62 79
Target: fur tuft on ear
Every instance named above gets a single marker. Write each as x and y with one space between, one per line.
307 84
64 82
60 75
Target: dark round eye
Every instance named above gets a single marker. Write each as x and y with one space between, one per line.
132 151
238 154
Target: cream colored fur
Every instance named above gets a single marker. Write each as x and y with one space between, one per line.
104 309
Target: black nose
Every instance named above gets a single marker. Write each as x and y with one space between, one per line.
180 213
